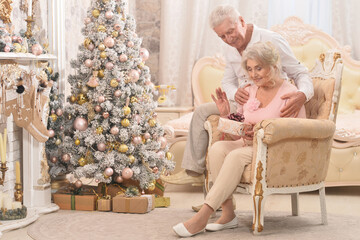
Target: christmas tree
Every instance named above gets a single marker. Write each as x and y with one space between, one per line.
111 132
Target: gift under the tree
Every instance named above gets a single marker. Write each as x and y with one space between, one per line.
162 202
75 199
104 205
141 204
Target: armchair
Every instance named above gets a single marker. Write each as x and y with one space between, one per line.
292 155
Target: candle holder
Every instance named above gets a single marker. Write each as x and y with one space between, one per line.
29 22
18 194
3 169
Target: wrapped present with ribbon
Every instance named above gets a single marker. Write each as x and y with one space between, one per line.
103 202
140 204
231 126
75 199
162 202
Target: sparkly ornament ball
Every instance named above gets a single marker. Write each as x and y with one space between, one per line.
80 124
134 75
109 15
88 63
59 112
137 140
66 157
117 93
114 130
97 108
119 179
123 58
162 142
51 133
87 20
144 54
101 99
54 159
78 184
109 65
101 147
36 49
109 42
127 173
109 171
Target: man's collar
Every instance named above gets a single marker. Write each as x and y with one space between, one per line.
248 35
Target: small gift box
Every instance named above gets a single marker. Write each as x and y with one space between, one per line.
104 205
230 126
162 202
141 204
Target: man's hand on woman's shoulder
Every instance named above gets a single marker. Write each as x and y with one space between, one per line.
293 106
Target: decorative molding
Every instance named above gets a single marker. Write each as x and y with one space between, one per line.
5 10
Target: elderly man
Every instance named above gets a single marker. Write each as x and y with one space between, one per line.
238 35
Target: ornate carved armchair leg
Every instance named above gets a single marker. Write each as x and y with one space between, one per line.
295 204
323 206
258 215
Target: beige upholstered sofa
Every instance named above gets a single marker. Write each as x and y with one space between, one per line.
308 43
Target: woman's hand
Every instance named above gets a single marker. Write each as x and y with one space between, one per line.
222 102
248 132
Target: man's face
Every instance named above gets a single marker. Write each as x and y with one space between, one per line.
232 33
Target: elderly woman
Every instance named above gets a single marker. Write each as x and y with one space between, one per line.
227 159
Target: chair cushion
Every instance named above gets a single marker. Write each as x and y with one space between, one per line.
319 105
347 132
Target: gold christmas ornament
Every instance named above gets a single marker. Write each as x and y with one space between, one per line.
101 73
69 117
103 55
84 89
105 1
143 139
96 13
99 130
58 142
87 42
77 142
17 47
72 99
114 83
23 49
168 155
151 187
125 122
123 148
126 110
118 10
82 161
49 70
101 28
53 117
101 47
141 65
133 99
81 99
152 122
131 159
115 33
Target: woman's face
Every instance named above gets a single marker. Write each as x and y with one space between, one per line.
258 73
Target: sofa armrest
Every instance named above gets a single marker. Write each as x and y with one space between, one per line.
279 129
215 135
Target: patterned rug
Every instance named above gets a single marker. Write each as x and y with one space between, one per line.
66 225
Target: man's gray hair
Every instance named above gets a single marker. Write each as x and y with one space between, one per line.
220 13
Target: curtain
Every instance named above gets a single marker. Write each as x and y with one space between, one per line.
186 36
345 28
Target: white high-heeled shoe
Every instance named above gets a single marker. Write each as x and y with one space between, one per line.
214 227
181 230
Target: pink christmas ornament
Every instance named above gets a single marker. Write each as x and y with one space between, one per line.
134 75
154 115
123 58
7 39
19 40
54 159
106 115
87 20
127 173
109 15
6 48
101 99
36 49
109 42
144 54
91 46
109 171
119 179
130 44
51 133
80 124
14 39
97 180
59 112
109 65
88 63
118 80
114 130
97 108
61 128
93 82
155 170
66 157
137 118
52 111
117 27
78 184
101 147
160 154
162 142
137 140
117 93
147 81
147 135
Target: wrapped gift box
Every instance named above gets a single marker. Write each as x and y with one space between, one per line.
162 202
75 202
230 126
141 204
104 205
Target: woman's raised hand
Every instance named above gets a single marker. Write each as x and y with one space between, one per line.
222 102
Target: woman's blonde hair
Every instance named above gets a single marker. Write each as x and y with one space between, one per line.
222 12
266 54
